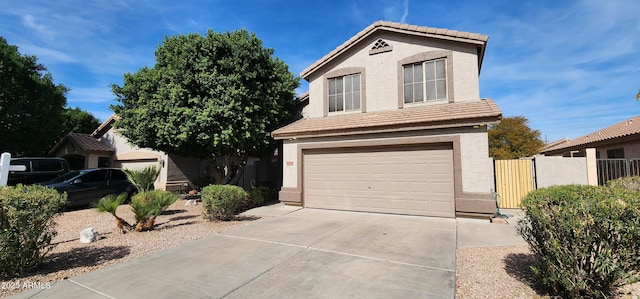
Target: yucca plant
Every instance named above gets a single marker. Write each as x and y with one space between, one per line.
143 179
110 204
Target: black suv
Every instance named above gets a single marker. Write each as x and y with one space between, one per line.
37 170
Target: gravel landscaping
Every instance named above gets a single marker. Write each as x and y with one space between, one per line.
503 272
179 224
482 272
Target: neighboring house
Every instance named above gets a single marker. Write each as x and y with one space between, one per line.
621 140
393 123
106 148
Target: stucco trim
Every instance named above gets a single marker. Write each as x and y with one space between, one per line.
341 73
465 202
138 155
290 196
421 57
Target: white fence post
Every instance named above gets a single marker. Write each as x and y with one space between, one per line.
5 167
5 162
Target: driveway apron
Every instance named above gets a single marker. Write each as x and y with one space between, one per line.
307 253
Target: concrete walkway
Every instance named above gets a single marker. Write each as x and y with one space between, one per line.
301 253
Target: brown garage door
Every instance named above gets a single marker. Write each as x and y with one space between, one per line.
415 181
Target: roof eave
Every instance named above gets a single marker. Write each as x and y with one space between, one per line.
431 125
477 39
59 144
594 144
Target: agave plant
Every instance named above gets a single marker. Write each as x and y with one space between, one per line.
110 204
143 179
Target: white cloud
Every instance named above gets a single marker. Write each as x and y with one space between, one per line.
30 22
49 55
405 13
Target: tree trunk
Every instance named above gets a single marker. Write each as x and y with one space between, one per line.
240 170
217 171
148 225
139 226
226 173
122 224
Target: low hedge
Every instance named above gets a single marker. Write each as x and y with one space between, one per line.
586 238
628 182
26 226
260 195
223 202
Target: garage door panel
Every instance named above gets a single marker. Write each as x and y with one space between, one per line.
406 181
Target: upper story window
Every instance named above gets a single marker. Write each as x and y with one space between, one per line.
425 81
344 93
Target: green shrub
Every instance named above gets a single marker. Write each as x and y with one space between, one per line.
223 202
259 196
26 226
586 238
629 182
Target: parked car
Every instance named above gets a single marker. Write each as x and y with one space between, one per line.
84 187
37 170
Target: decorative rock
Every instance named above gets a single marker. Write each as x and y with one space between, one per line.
191 202
89 235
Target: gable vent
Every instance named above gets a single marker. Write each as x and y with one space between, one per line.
380 46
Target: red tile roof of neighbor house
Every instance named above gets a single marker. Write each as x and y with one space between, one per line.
84 142
625 128
439 33
88 142
423 117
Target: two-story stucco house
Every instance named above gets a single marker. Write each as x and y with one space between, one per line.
394 124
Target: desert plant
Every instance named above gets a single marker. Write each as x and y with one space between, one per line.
586 238
629 182
26 226
148 205
143 179
110 204
223 202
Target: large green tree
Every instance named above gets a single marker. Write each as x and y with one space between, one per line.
31 104
512 138
78 121
215 96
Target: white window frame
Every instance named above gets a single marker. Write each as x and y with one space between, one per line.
344 93
427 84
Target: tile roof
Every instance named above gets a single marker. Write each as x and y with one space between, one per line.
88 142
431 116
430 32
625 128
84 142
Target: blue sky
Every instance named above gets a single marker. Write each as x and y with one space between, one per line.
570 67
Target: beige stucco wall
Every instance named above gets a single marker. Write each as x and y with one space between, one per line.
556 170
381 75
477 167
124 151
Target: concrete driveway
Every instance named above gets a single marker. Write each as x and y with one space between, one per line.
304 253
